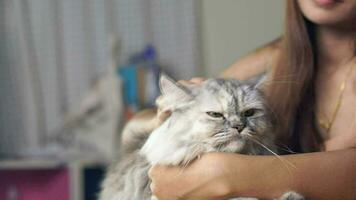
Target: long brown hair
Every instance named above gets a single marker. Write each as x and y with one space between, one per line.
292 86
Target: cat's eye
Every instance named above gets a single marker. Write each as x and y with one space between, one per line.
249 112
215 114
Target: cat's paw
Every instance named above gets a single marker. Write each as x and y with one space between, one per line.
291 196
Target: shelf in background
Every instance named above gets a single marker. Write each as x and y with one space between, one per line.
42 179
29 164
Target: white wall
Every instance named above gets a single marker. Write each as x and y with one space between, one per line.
232 28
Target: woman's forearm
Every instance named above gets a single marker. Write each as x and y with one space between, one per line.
322 176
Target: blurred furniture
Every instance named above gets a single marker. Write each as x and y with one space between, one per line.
50 180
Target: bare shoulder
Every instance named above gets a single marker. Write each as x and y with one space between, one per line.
254 63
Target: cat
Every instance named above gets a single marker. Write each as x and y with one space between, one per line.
217 116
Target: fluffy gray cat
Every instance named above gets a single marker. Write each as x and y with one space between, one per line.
217 116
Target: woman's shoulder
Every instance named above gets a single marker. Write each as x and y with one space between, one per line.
255 63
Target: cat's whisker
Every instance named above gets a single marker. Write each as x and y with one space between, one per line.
281 81
196 151
268 149
285 76
185 164
222 138
220 134
220 146
285 148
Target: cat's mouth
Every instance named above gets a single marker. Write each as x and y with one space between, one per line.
226 137
228 134
233 135
228 141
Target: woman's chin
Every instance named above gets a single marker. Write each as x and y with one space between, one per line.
328 12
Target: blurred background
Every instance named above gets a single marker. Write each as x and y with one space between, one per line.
73 71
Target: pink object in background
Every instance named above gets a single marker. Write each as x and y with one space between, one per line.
34 184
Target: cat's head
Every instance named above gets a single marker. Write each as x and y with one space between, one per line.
217 116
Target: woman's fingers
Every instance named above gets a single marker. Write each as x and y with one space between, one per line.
205 178
197 80
155 173
152 187
192 81
157 170
162 116
185 82
162 111
151 172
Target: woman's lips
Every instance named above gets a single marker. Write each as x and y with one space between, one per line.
327 2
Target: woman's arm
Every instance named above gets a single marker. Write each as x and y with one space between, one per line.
322 176
254 63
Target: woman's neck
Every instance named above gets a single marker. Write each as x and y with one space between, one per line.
335 47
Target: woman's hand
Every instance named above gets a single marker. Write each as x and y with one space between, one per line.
163 112
205 179
221 176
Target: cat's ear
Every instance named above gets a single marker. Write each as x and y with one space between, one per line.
172 89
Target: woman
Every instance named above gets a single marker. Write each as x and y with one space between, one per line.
313 95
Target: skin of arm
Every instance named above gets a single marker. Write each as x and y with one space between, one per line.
322 175
255 63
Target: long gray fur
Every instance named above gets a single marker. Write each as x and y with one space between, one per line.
190 132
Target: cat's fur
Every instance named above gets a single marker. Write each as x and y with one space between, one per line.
218 116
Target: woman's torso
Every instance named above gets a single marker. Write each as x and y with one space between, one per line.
331 99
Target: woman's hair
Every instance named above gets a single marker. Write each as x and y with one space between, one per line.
291 91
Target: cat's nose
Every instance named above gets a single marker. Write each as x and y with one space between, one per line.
239 127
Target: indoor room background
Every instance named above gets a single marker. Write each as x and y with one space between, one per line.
72 72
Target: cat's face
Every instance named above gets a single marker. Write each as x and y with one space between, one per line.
227 114
220 115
